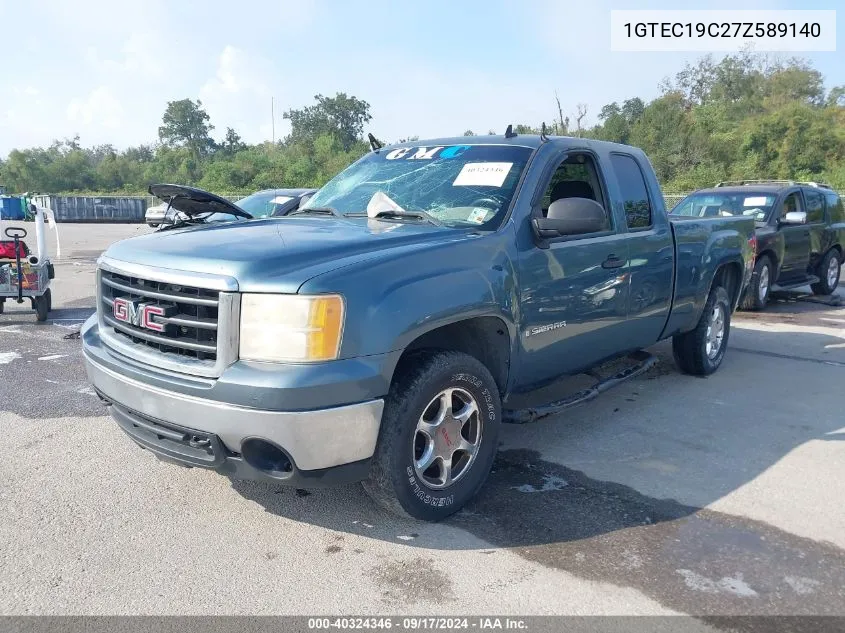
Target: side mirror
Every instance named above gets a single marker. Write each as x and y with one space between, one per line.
572 216
794 217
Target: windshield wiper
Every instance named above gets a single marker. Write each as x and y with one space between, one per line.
419 215
316 211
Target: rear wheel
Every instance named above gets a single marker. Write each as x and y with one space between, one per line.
701 351
438 436
829 271
757 294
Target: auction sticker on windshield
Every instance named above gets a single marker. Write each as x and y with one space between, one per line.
755 202
483 175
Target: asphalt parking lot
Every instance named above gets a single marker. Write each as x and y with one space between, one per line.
669 494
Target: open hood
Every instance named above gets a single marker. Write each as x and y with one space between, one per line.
192 201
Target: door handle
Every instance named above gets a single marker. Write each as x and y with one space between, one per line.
612 261
806 232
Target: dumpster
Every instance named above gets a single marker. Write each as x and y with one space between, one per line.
11 208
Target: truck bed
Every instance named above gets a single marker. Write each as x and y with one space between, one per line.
701 246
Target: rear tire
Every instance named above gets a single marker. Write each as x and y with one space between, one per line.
701 351
408 474
760 286
42 306
829 271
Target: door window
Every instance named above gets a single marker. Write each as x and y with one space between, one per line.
576 177
792 203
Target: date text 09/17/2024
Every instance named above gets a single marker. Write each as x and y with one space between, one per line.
418 623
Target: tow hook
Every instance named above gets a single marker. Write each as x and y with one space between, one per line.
199 442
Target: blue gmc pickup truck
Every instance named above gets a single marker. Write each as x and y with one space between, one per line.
378 333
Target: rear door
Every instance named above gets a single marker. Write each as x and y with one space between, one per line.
796 241
651 250
817 225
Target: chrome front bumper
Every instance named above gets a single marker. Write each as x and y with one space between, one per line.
315 440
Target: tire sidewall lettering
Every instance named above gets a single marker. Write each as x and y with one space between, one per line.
486 397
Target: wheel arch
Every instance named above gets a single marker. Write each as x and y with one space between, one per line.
728 275
485 338
773 258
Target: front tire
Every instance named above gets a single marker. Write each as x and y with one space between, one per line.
757 294
829 271
438 437
701 351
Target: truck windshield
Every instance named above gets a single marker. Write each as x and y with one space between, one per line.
457 185
711 205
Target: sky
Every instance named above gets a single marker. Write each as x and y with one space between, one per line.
105 69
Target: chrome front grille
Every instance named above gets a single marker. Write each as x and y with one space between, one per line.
197 314
190 329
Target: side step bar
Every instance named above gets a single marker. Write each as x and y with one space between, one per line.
643 362
795 284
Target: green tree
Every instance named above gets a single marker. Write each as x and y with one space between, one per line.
186 124
341 116
232 143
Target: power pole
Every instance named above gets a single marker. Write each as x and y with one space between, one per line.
273 118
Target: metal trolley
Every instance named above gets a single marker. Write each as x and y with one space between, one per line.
24 275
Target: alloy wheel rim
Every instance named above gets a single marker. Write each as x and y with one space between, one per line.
447 438
833 272
763 289
715 332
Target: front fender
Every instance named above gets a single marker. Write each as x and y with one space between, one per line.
391 301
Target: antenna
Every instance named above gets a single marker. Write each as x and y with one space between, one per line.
543 136
509 133
375 144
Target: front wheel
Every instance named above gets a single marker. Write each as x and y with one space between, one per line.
700 352
438 436
828 274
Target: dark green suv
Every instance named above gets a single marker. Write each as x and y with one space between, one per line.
800 232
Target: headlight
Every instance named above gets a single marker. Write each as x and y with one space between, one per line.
296 328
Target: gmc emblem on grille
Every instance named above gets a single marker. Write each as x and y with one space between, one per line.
140 314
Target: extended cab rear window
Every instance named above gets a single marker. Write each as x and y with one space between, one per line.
633 189
459 185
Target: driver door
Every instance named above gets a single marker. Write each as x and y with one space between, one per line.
574 296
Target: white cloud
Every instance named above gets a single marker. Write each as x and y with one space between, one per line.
238 96
25 91
237 72
143 54
100 108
